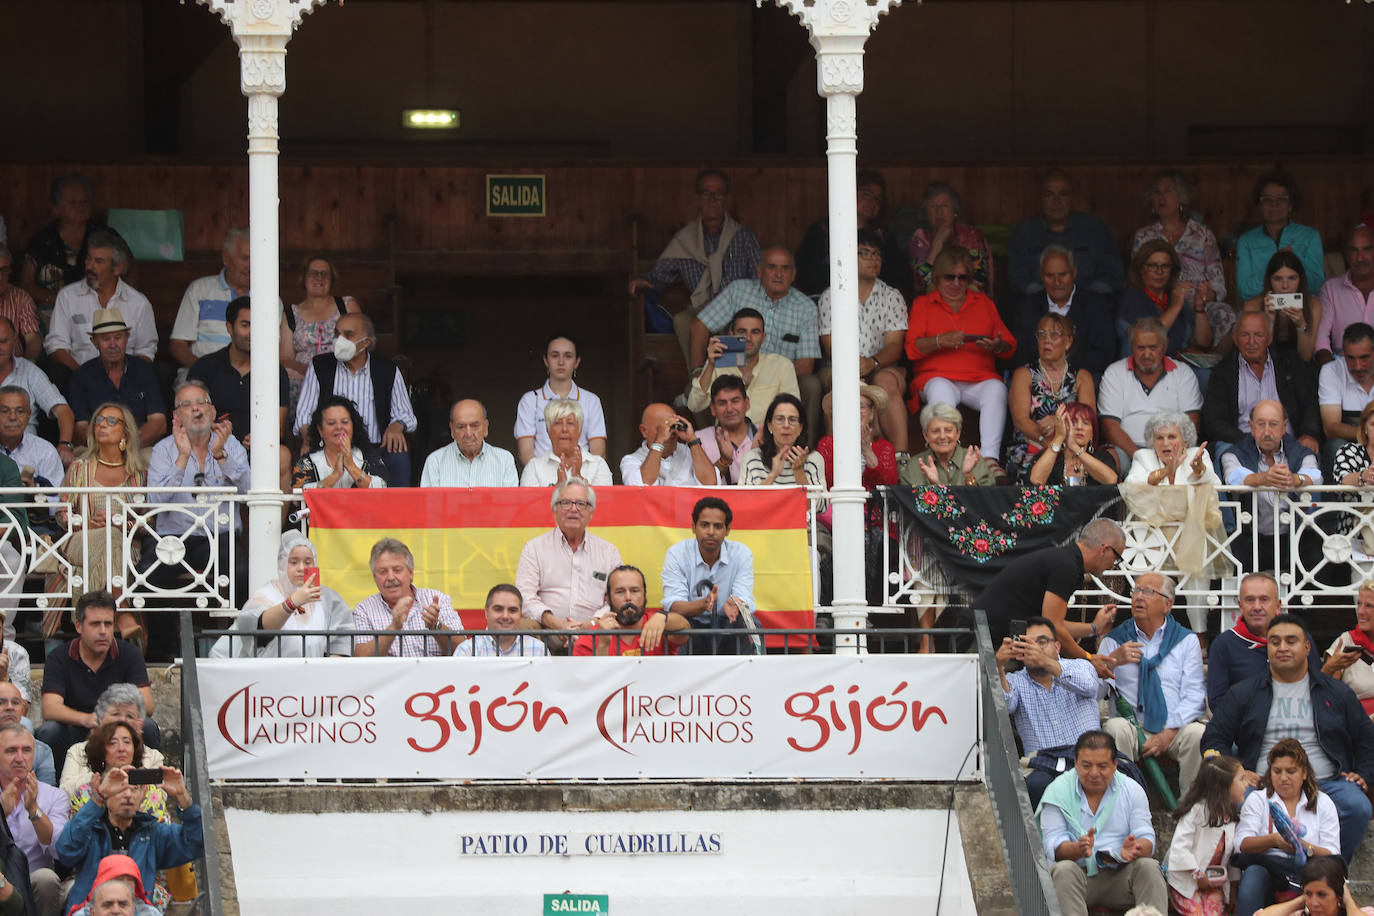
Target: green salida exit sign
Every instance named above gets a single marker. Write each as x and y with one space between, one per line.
557 904
515 195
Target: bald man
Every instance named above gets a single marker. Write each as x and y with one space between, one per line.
469 461
671 455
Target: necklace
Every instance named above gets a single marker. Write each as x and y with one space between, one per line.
1051 383
109 464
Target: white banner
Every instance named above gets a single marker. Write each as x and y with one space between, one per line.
818 717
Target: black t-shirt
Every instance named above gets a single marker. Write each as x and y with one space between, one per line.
66 675
1018 591
230 391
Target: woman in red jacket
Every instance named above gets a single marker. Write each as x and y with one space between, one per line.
953 338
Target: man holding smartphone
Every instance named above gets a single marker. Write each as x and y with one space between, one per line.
766 375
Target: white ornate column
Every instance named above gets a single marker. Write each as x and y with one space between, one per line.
262 28
839 29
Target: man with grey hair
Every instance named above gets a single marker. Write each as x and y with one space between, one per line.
112 377
1060 226
35 814
1042 582
14 710
200 452
400 605
116 703
40 391
562 573
21 443
17 305
1157 666
375 386
1094 337
200 326
1141 385
469 460
69 341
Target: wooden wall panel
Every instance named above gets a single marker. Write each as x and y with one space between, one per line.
441 208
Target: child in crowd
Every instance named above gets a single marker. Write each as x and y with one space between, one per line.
1273 860
1204 838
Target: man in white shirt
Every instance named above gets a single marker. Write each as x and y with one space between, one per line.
671 454
68 343
469 461
18 371
1344 386
22 444
1138 387
1157 664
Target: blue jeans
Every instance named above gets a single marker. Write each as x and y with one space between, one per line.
1353 808
1256 890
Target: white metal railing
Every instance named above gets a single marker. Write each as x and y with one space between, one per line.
1313 533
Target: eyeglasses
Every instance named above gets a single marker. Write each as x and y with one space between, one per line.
955 278
317 274
783 420
572 504
1271 201
14 411
1152 265
1040 640
870 253
198 402
1119 557
106 420
1146 591
1048 334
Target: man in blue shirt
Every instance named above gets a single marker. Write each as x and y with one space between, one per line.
1051 700
1098 834
710 581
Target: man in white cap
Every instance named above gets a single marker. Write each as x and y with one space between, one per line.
112 376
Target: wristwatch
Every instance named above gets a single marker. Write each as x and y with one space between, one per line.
692 442
36 815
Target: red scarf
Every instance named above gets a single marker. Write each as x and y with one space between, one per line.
1251 640
1161 301
1361 638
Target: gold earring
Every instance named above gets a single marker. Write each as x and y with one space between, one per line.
123 443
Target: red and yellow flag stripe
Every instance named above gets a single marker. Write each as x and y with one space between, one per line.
466 541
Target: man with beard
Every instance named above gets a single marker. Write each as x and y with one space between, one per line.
200 452
659 633
1051 700
69 341
400 605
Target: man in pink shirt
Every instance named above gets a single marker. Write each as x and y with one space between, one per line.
562 573
1347 298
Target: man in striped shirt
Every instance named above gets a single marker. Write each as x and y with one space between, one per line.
375 386
400 605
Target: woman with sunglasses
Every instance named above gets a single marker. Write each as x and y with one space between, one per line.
954 337
112 459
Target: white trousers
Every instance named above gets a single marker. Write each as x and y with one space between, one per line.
989 398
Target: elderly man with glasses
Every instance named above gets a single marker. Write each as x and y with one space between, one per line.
1157 664
200 452
562 573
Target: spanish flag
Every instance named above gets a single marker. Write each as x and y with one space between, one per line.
466 541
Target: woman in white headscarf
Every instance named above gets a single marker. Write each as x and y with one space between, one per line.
290 603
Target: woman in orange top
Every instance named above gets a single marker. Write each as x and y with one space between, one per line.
953 339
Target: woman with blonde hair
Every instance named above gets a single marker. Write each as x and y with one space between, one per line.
112 458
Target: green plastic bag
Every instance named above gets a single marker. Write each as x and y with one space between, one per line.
153 235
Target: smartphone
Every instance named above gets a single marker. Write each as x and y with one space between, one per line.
1216 873
1285 301
974 338
734 352
312 575
145 776
1016 629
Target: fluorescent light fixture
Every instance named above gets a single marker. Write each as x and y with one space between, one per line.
430 118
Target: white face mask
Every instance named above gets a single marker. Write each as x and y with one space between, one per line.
344 349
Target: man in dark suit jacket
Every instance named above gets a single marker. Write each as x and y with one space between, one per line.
1093 316
1254 372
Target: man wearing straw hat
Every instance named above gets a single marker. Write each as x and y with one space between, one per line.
111 376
